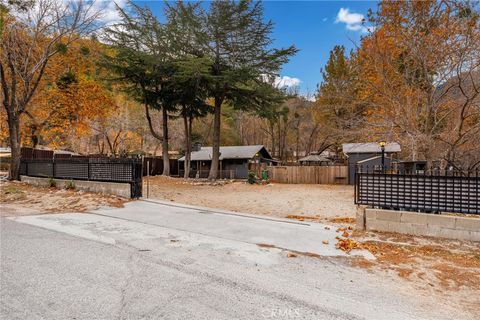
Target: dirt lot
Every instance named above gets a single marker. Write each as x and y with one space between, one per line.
436 264
20 198
280 200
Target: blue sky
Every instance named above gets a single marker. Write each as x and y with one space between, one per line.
314 27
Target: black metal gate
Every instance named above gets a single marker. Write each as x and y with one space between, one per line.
433 191
126 170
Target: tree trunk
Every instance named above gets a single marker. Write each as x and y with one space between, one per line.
15 139
272 136
298 144
279 140
188 149
166 160
216 140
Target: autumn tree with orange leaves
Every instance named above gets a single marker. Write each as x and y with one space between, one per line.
72 94
32 34
420 72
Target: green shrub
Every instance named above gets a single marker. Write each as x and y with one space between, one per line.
252 177
70 185
51 183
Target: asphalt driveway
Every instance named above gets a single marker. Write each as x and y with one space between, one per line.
168 261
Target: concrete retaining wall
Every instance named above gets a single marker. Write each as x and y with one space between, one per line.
422 224
118 189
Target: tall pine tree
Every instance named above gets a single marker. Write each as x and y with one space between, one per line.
237 40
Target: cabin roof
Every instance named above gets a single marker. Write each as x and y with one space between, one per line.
229 152
370 147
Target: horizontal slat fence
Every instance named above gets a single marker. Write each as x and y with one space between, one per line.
125 170
309 174
419 192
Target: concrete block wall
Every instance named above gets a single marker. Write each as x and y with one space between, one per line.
119 189
423 224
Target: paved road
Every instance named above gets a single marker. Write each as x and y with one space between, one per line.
163 261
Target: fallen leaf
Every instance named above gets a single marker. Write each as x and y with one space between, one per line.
325 241
265 245
342 220
291 255
346 245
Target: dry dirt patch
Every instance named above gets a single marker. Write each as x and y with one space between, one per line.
312 202
20 198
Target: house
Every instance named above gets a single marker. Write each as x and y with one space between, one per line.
235 161
368 154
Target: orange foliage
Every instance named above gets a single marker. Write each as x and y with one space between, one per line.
71 96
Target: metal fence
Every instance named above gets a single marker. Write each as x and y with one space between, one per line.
126 170
30 153
430 191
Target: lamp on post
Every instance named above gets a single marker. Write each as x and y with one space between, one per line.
382 147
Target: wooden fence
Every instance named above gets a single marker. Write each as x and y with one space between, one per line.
309 174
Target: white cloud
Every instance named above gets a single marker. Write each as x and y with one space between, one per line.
345 16
104 11
324 19
352 20
310 97
286 82
354 27
108 10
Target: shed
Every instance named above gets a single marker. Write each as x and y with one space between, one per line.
235 161
315 160
356 152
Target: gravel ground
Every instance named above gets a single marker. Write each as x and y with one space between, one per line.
280 200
